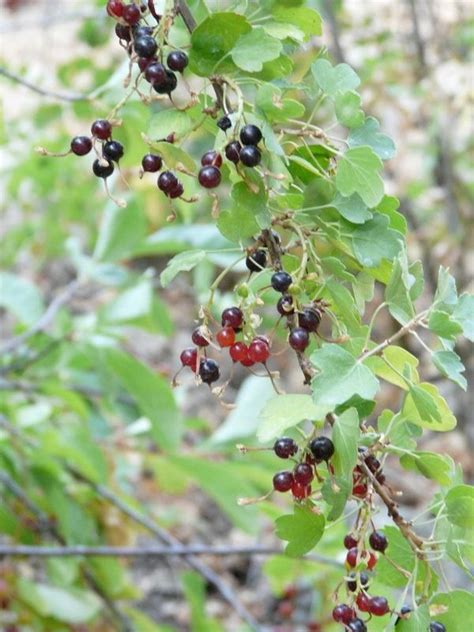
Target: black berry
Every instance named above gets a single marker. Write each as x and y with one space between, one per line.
224 123
155 73
177 60
152 163
101 129
168 85
436 626
122 31
142 31
102 170
281 281
144 62
81 145
284 447
250 156
356 625
322 448
167 181
113 150
232 151
232 317
298 339
209 177
209 370
282 481
256 261
378 541
176 192
285 305
309 319
145 46
352 583
250 135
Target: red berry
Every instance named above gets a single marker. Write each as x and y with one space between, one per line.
285 609
343 613
350 542
209 177
115 8
351 557
378 541
283 481
199 338
378 606
151 163
363 602
101 129
238 351
372 561
300 491
360 490
259 350
211 158
131 14
285 447
189 357
247 361
303 474
81 145
232 317
226 337
298 339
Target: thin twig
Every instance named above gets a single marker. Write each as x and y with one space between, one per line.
44 321
61 96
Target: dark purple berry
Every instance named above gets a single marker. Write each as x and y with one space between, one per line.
309 319
115 8
155 73
168 85
167 181
211 158
142 31
282 481
177 60
209 177
350 542
102 170
250 135
152 163
303 474
198 337
123 32
378 541
209 370
436 626
131 14
81 145
232 317
343 613
250 156
285 305
322 448
378 606
113 150
144 62
176 192
281 281
284 447
356 625
224 124
145 46
298 339
101 129
256 261
232 151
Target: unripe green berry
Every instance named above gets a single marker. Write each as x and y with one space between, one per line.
243 290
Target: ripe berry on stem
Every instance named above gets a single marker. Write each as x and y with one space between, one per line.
81 145
360 490
208 370
343 613
250 135
131 14
259 350
363 602
189 357
113 150
144 62
209 177
167 181
177 60
145 46
250 156
168 85
282 481
101 129
303 474
298 339
349 541
155 73
232 317
211 158
102 170
285 305
281 281
232 151
239 352
177 191
356 625
152 163
300 491
378 541
284 447
198 338
378 606
115 8
226 337
436 626
309 319
123 32
322 448
256 261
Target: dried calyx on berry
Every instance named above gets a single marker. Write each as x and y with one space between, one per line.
224 123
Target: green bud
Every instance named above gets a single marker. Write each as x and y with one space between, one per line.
294 289
243 290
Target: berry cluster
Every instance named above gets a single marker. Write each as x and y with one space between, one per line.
359 478
299 480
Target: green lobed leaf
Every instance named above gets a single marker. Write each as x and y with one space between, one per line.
238 224
425 407
450 365
182 262
341 376
397 292
460 506
345 435
418 621
443 325
306 19
454 609
335 492
389 207
401 360
431 465
302 530
334 79
464 314
400 552
254 48
368 134
375 241
152 393
348 110
275 106
446 295
170 121
213 39
358 172
285 411
352 208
